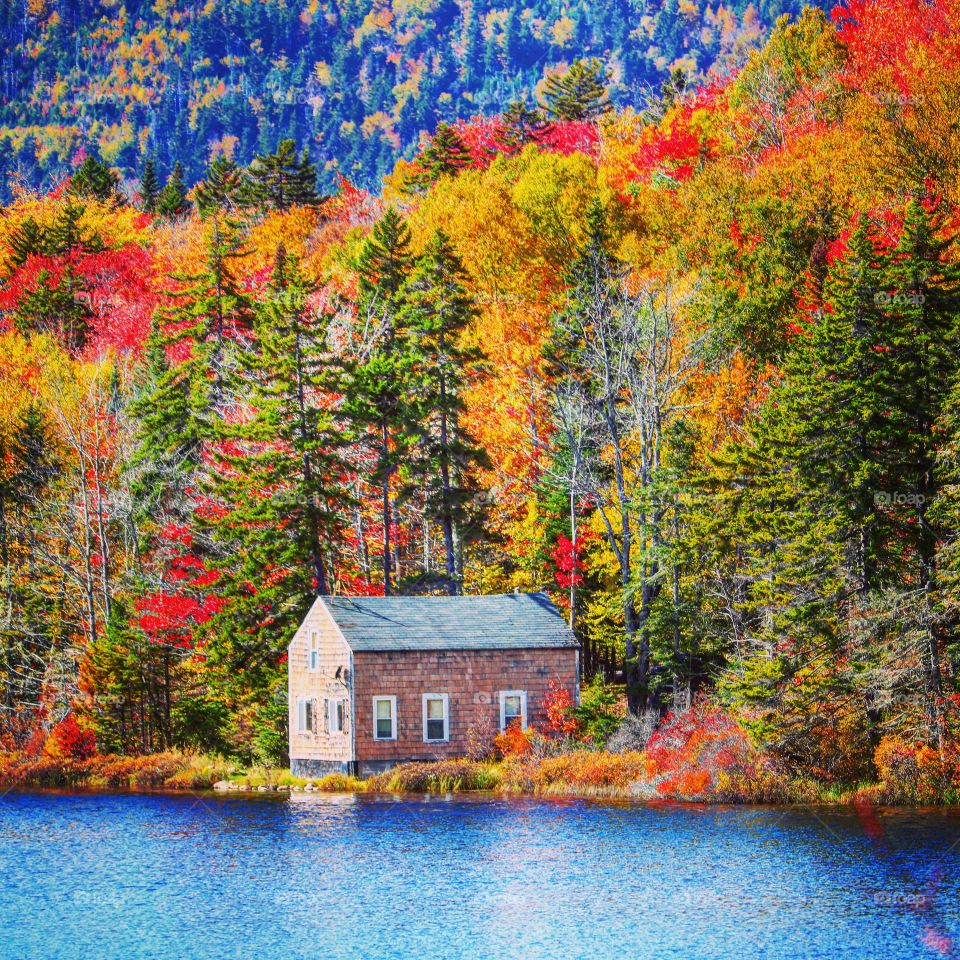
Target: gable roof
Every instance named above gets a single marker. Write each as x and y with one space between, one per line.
509 621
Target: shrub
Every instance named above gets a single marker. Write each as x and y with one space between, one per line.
915 773
170 769
480 738
270 739
559 708
69 739
687 754
600 711
199 772
633 733
514 741
442 776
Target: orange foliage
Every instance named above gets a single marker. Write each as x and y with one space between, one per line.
514 741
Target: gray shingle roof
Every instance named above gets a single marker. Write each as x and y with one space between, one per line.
501 622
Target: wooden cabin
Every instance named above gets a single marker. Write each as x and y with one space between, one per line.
375 681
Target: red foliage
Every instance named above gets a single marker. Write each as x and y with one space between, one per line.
351 205
358 586
69 739
569 561
483 137
672 151
883 40
116 285
558 705
571 136
690 750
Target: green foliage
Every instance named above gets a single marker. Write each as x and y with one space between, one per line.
93 178
172 201
276 180
599 712
578 94
149 187
436 314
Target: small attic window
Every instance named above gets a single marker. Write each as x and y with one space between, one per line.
314 650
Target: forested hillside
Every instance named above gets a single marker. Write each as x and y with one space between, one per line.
692 370
354 82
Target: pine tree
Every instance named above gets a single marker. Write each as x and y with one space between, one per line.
29 627
281 180
27 240
172 201
446 155
377 397
522 125
578 94
167 451
836 539
221 189
280 477
149 187
93 178
437 313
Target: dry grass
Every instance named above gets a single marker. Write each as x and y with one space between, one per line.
171 770
442 776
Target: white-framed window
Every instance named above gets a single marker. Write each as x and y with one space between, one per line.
314 650
436 717
306 715
513 708
384 718
337 716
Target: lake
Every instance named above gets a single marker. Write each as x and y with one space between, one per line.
102 876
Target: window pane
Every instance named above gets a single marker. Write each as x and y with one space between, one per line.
435 709
511 706
340 711
435 729
384 728
383 709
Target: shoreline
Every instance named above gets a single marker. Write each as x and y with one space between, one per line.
585 775
285 793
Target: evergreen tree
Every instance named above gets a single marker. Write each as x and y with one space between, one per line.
27 240
221 189
149 187
834 530
167 451
522 125
281 180
30 626
280 478
445 156
437 313
377 398
93 178
172 201
578 94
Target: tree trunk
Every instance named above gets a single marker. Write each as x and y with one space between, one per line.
385 441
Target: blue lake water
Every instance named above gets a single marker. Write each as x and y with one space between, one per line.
102 876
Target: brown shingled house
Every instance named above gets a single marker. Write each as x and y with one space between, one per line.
374 681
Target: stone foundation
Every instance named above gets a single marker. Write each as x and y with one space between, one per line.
313 769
